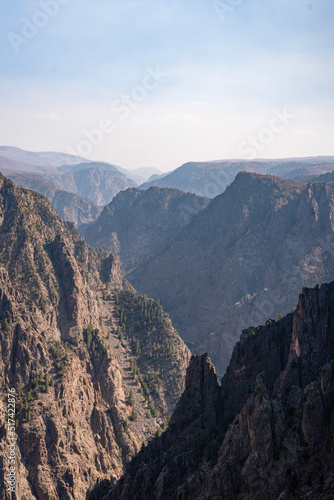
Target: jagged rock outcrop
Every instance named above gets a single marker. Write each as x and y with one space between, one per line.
86 399
245 257
271 424
138 225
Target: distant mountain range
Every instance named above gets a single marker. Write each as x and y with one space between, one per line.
137 224
99 182
75 186
210 179
28 161
242 259
45 159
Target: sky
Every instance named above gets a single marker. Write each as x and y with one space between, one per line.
143 83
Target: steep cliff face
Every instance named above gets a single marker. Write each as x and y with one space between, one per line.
244 258
74 208
85 398
268 430
138 225
98 181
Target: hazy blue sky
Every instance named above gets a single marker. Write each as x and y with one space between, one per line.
226 69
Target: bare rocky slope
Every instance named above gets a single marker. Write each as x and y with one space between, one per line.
96 367
138 225
245 257
266 432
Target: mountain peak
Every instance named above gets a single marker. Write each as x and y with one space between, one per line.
139 224
245 257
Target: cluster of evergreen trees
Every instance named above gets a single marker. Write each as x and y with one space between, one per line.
94 342
60 355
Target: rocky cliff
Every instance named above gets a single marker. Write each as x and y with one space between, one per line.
138 225
71 334
242 259
267 432
97 181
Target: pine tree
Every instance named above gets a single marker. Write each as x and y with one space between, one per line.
134 415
